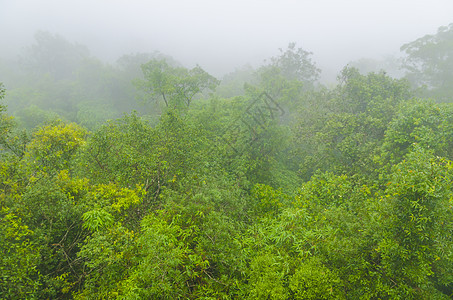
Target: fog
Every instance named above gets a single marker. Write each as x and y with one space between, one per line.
223 35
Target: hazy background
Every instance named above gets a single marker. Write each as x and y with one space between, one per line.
223 35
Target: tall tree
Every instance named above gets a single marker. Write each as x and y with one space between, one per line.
429 63
289 75
344 126
54 55
296 64
174 85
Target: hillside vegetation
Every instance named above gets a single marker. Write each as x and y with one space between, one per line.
149 180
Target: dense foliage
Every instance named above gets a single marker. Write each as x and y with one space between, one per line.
285 190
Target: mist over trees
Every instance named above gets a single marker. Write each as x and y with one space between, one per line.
148 179
429 63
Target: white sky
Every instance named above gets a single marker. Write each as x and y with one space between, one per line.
222 35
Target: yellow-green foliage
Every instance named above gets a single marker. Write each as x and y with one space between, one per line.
18 258
53 145
110 204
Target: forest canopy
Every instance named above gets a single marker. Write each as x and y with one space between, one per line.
145 179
